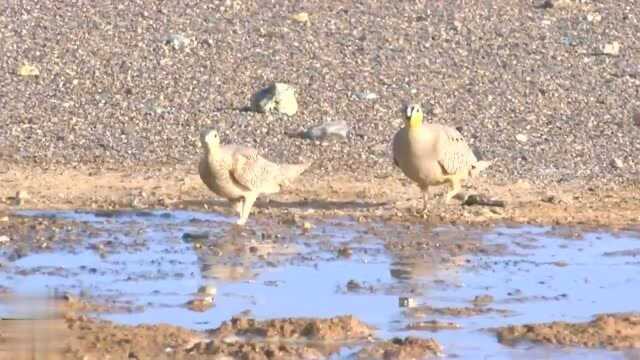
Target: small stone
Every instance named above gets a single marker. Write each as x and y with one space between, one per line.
344 252
594 17
482 300
557 4
177 41
522 138
301 17
194 237
612 49
338 129
482 200
555 199
366 95
4 239
28 70
200 304
277 97
353 285
4 218
617 163
407 302
207 290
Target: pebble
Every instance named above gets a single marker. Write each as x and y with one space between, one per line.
617 163
366 95
207 290
522 138
407 302
26 70
557 4
594 17
330 129
177 41
277 97
612 49
301 17
345 252
555 199
482 300
201 304
4 239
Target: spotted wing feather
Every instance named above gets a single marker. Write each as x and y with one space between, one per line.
252 170
455 155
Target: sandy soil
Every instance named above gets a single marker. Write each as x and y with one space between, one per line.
616 331
364 198
70 335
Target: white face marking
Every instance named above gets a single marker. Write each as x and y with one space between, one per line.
412 110
409 111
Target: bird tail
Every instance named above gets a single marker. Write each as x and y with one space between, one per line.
479 167
289 172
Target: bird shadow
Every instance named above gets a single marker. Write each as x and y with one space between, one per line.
315 204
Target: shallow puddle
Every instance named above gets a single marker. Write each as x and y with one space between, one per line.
147 265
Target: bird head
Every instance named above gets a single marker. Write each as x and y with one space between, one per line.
414 116
209 138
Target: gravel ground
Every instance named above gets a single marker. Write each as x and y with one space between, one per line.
527 85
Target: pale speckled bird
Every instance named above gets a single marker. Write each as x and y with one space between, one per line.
240 174
433 154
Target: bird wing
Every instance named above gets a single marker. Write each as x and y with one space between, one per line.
454 154
396 147
251 170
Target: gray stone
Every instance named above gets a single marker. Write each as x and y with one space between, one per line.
366 95
177 41
277 97
338 129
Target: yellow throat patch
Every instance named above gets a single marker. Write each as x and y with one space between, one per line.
415 120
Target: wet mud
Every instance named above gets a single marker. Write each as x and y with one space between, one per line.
179 284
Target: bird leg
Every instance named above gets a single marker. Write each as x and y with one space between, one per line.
246 208
425 198
455 189
237 205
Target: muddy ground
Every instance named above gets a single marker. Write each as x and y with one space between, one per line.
109 118
74 329
360 197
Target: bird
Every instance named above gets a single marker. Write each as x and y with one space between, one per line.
433 154
240 174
